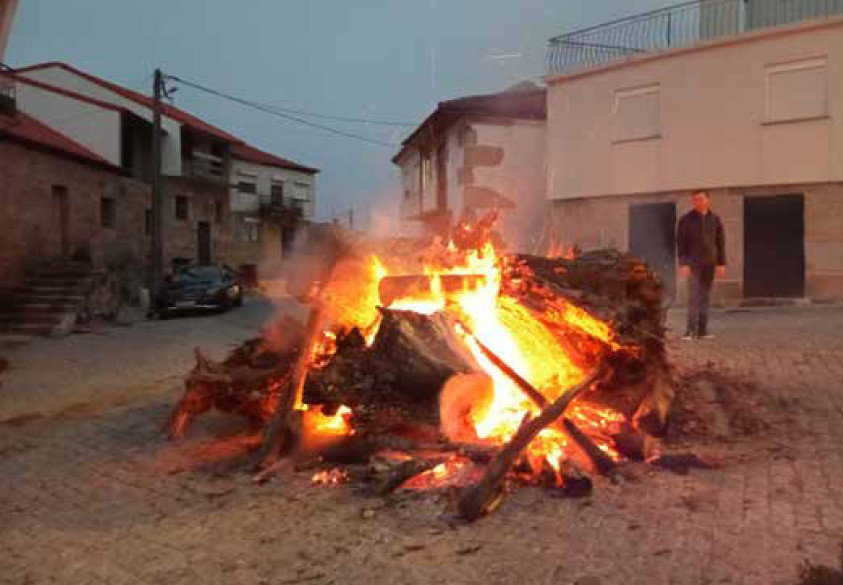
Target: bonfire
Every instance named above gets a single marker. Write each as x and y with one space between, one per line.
452 365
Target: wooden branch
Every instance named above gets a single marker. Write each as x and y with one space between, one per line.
474 501
279 429
528 389
602 462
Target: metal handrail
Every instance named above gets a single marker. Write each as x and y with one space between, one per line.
681 25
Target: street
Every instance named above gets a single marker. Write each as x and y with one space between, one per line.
117 363
99 496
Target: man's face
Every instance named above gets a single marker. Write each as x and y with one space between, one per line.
701 202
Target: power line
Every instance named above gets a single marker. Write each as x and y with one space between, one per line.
280 114
372 121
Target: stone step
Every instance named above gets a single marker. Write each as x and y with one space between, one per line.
27 329
60 306
16 318
49 298
31 290
59 268
54 281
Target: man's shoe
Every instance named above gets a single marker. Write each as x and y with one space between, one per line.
707 336
689 336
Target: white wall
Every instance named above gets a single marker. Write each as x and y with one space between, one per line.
713 118
171 145
294 181
94 127
520 177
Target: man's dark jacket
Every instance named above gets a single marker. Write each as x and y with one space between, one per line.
700 240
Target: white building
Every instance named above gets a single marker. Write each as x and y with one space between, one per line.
203 195
271 197
477 154
740 100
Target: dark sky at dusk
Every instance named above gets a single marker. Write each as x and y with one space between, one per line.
384 59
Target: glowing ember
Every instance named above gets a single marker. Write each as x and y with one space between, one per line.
319 423
330 477
455 471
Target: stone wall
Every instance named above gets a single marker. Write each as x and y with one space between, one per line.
604 222
181 235
30 225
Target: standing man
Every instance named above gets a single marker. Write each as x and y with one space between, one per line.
702 252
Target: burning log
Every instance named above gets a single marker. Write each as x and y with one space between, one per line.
282 430
475 501
602 462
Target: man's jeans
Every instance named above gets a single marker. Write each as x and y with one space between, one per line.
699 293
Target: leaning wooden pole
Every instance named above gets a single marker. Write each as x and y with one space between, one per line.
602 463
283 429
477 500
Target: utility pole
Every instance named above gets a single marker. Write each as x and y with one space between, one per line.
157 197
351 218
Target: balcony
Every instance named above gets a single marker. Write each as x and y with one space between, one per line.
202 165
284 211
678 26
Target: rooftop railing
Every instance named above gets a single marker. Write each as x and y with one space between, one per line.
677 26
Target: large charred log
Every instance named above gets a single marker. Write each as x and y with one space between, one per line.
620 290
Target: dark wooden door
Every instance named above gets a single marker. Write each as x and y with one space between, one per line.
61 219
203 242
652 236
774 246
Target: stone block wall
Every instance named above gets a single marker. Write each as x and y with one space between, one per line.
604 222
30 223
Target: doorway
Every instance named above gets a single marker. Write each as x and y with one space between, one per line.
203 242
774 246
652 236
61 219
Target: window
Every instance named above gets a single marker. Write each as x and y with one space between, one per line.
797 91
218 211
276 190
248 187
147 222
108 212
182 207
636 114
250 230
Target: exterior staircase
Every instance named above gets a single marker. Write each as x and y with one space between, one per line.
50 292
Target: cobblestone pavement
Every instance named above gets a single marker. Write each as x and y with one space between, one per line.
103 499
116 363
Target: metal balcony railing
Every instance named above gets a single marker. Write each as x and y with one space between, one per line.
284 210
205 166
677 26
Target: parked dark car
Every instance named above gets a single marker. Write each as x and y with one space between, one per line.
200 287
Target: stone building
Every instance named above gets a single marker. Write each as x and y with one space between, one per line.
59 199
477 154
744 104
271 199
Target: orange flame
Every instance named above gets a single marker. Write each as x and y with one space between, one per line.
518 338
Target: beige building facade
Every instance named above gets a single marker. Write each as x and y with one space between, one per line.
478 154
756 119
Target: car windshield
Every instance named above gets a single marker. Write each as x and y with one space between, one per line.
199 274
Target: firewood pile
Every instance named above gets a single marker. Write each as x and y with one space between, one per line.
409 390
